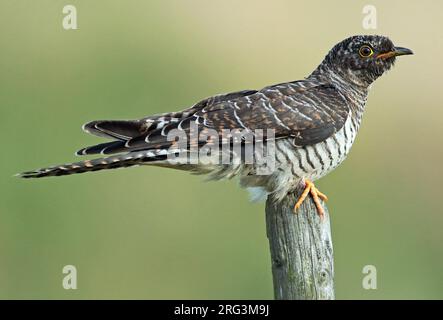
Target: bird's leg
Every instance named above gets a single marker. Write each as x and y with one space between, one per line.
316 196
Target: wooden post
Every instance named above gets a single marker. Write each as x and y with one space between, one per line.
301 250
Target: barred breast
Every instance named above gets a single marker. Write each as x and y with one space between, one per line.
311 162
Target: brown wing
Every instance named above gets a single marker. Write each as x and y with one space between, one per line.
152 126
306 111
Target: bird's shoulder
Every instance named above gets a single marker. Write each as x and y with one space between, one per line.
301 94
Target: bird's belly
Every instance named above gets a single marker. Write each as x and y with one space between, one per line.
293 164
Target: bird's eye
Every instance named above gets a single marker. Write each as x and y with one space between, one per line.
365 51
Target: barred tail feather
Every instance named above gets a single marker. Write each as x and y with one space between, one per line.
113 162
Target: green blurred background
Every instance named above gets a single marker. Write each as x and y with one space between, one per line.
154 233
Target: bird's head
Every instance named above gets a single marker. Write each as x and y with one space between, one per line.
362 59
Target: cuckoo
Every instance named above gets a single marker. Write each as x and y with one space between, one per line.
313 124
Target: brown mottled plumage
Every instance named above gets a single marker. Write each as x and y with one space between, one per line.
315 122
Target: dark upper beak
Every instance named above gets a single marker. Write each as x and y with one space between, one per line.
398 51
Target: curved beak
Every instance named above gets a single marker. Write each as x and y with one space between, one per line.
398 51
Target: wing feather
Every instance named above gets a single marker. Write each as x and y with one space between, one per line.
306 111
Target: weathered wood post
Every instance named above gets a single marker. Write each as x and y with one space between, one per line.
301 250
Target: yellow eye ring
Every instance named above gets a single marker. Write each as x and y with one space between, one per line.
365 51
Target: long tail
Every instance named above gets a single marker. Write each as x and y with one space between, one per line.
113 162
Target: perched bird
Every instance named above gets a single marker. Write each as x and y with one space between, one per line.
313 123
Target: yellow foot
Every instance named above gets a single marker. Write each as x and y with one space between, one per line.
316 196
